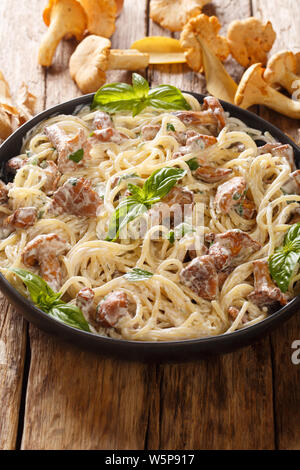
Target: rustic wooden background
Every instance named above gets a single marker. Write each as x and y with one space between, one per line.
55 396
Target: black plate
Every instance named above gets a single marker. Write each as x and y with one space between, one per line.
143 351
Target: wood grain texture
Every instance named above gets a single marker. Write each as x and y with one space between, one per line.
284 16
20 38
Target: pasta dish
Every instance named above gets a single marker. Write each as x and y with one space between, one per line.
151 227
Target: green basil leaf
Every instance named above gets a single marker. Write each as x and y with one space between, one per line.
282 265
140 86
138 107
167 97
49 301
137 274
70 315
136 192
40 292
128 210
170 127
154 189
159 184
193 164
77 156
292 238
115 97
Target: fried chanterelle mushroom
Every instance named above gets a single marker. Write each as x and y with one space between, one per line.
101 16
174 14
207 28
63 18
250 40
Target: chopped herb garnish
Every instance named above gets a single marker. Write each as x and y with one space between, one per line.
240 209
170 127
73 181
171 237
179 232
193 164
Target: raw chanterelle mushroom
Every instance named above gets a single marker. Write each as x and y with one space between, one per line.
282 70
174 14
253 89
64 18
250 40
93 57
101 16
207 28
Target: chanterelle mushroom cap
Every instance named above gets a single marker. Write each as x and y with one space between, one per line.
207 28
174 14
89 63
64 18
250 40
101 16
282 70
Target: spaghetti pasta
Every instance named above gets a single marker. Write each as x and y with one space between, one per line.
163 306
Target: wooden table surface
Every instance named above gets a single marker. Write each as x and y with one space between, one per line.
56 396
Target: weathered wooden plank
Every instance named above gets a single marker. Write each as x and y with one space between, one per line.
12 357
18 40
225 402
76 399
286 22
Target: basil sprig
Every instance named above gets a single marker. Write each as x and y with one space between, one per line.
137 274
284 261
50 302
138 96
77 156
193 164
156 187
